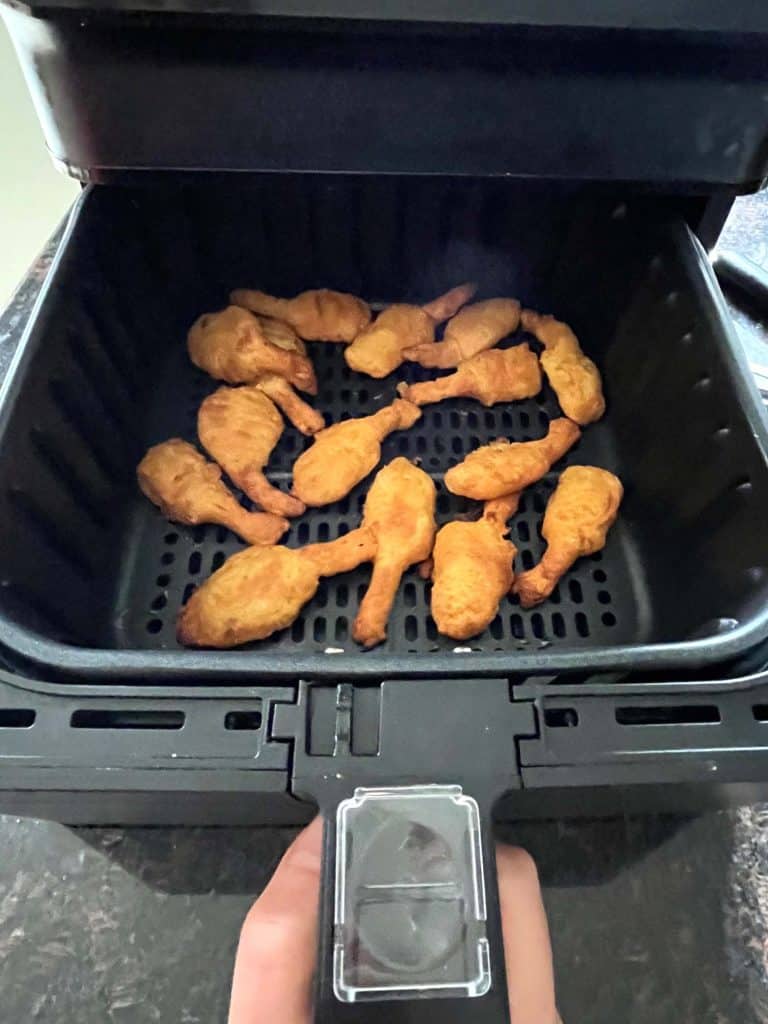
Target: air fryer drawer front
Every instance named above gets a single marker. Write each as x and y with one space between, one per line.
94 576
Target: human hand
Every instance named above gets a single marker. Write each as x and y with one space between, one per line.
278 943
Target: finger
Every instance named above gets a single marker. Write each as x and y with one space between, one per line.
527 949
275 959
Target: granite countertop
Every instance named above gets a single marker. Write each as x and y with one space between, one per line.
657 918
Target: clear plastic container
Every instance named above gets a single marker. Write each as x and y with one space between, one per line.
410 915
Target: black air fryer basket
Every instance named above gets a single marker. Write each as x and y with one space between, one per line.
104 373
545 151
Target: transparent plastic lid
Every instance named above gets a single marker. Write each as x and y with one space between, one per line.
410 896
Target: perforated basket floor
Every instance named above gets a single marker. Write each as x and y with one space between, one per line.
595 604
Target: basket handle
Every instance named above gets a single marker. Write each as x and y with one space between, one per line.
486 1004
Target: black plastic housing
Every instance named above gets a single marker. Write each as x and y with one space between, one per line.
658 95
93 576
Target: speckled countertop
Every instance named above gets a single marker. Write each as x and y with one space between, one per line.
659 919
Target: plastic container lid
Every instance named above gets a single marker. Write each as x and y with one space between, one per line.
410 896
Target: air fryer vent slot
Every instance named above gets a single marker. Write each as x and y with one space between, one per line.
125 718
17 718
685 714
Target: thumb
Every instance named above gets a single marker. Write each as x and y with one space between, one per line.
527 949
275 959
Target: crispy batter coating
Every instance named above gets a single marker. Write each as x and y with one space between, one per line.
378 349
502 468
318 315
499 510
579 515
472 570
278 332
400 514
188 489
344 454
476 328
300 413
574 377
261 590
449 303
498 375
239 428
234 346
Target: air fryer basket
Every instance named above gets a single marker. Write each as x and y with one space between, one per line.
93 576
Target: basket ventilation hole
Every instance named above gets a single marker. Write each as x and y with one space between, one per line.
582 624
743 486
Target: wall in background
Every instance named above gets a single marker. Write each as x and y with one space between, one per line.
34 196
